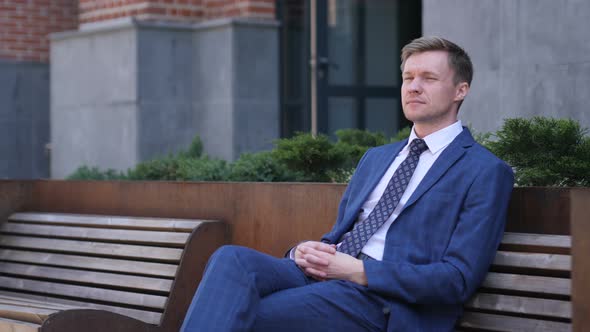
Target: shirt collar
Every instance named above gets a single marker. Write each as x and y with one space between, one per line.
440 138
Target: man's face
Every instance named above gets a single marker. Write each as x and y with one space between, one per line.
429 95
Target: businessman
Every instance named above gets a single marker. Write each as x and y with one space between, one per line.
417 228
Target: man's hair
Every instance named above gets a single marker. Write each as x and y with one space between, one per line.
459 60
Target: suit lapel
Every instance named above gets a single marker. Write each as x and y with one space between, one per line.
448 157
377 169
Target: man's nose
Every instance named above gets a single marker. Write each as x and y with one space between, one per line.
415 86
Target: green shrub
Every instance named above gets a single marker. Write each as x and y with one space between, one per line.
195 149
203 169
544 151
180 168
261 167
88 173
350 147
310 156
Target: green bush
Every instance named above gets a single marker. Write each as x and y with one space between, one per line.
312 157
261 167
544 151
180 168
88 173
350 147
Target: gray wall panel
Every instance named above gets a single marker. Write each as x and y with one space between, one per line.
94 101
99 135
164 91
24 119
531 57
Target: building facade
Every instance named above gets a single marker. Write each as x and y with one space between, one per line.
110 83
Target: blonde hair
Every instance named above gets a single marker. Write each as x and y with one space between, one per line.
459 60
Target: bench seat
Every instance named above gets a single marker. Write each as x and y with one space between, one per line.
528 287
144 269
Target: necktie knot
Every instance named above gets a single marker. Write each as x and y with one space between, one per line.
417 146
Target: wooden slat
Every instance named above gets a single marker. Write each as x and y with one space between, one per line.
89 277
499 323
94 263
552 262
25 313
4 299
93 248
140 223
150 317
525 283
521 305
97 234
83 292
537 240
9 325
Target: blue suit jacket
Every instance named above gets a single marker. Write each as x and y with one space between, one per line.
439 249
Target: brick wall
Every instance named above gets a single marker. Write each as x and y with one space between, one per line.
239 8
101 10
174 10
25 24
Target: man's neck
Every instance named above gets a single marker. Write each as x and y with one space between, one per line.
424 129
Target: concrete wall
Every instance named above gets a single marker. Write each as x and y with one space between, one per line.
236 86
131 91
166 121
24 120
531 57
94 109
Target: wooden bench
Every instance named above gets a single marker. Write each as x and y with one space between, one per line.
528 287
67 272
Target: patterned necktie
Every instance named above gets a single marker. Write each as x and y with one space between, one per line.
354 241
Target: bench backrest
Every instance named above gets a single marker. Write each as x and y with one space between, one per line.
528 287
120 264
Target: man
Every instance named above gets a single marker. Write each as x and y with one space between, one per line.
417 228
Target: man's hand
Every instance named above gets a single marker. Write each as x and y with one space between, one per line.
321 261
314 252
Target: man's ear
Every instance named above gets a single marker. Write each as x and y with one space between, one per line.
461 91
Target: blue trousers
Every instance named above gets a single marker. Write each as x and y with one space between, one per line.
245 290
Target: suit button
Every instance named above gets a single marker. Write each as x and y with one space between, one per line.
386 310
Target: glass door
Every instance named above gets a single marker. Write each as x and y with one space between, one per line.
353 76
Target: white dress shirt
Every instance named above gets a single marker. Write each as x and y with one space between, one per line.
436 143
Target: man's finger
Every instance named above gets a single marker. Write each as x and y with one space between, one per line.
324 247
310 258
316 273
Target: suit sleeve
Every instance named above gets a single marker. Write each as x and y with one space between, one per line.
469 253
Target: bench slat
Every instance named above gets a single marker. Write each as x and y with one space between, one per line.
553 262
491 322
150 317
95 263
537 242
93 248
522 305
9 325
25 313
97 234
88 277
525 283
140 223
31 303
83 292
